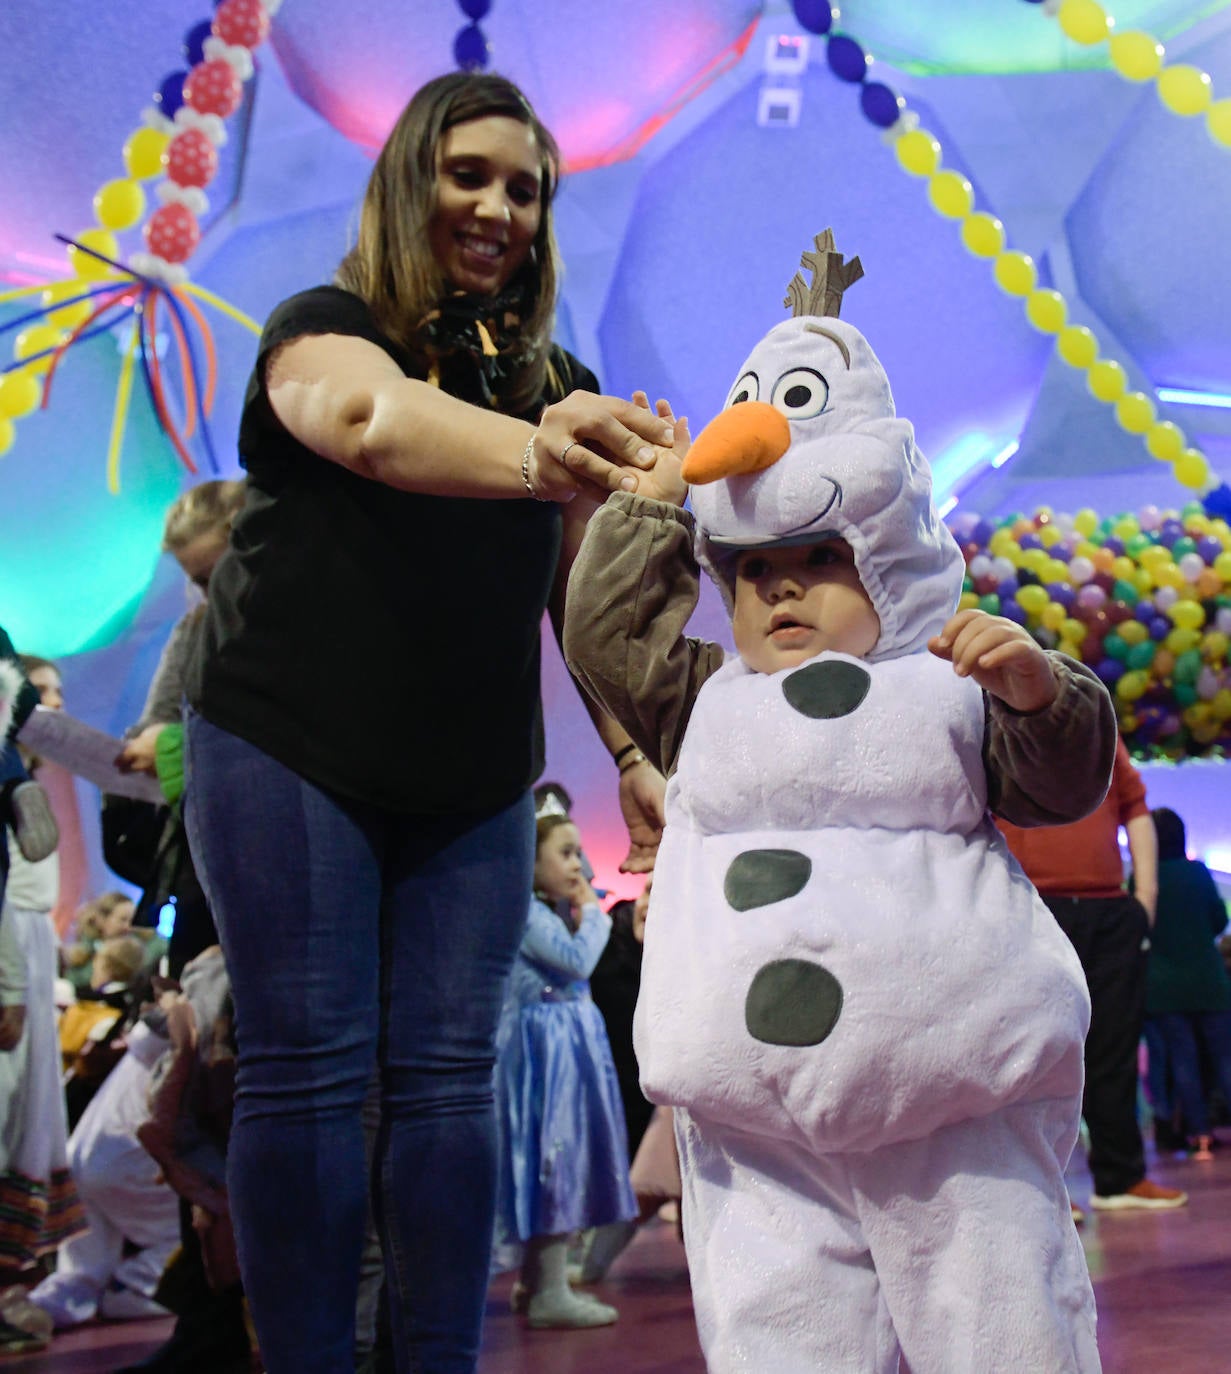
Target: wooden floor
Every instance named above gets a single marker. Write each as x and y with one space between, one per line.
1162 1280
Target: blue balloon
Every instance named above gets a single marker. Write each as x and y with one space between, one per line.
847 60
1111 670
1145 610
1160 627
880 105
1007 589
470 49
475 9
1218 502
814 15
170 93
1063 593
1010 610
194 41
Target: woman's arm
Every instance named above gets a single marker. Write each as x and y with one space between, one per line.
345 398
549 943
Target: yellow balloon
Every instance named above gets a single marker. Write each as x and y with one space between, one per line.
1132 632
968 601
1046 310
1054 615
1106 379
1086 520
143 151
1220 706
7 434
1214 646
1073 630
918 152
67 316
1014 273
1181 639
951 194
1198 523
20 393
1054 570
37 339
982 235
1123 567
1078 347
1034 559
1033 599
1085 21
1154 556
119 204
1185 90
87 267
1168 575
1135 412
1165 441
1218 122
1222 566
1135 55
1186 615
1191 470
1142 580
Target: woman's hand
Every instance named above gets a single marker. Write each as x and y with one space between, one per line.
642 792
137 755
595 443
1001 656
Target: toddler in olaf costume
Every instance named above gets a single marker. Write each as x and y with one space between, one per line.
868 1023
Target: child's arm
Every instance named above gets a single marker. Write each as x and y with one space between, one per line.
632 588
548 943
1051 729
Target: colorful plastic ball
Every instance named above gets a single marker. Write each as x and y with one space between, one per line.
1191 469
119 204
1149 517
1183 546
1011 610
1135 412
1135 55
1165 441
1074 630
847 60
85 265
1091 596
1218 122
1209 547
1077 345
1222 566
950 194
1062 593
20 393
1053 615
143 153
245 23
1185 90
816 16
1081 569
1125 591
1085 21
213 88
191 159
1214 646
1141 656
1220 707
66 316
1192 565
982 235
1110 670
968 601
1187 666
172 232
1046 310
1164 663
880 105
1182 641
1131 630
1015 273
1159 628
918 152
990 603
1207 684
1115 647
1207 584
1033 599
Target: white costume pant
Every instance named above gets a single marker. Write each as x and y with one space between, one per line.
124 1199
805 1262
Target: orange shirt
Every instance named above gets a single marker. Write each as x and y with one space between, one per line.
1083 859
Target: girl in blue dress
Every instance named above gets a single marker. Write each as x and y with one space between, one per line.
564 1157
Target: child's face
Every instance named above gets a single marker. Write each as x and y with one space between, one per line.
557 865
794 603
200 556
50 689
118 921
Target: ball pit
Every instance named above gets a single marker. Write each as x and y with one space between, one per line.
1143 598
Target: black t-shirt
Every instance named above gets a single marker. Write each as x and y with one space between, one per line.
383 644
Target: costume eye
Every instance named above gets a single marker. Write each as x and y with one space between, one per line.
801 393
748 388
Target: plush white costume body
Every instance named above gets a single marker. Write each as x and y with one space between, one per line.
867 1020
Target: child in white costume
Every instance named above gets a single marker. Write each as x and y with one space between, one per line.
868 1023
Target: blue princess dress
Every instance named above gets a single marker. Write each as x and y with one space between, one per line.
563 1145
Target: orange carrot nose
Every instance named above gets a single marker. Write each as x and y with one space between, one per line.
749 437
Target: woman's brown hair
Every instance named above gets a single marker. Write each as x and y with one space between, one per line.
391 265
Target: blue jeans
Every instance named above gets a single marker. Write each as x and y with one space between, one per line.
1178 1034
356 937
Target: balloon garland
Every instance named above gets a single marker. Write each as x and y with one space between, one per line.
1144 599
470 47
951 195
1185 90
178 140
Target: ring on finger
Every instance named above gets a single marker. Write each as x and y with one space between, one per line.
564 452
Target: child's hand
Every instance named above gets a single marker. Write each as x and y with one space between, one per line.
582 895
662 480
1001 656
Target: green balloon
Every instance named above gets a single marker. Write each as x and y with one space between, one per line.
990 603
1141 655
1125 592
1185 694
1115 647
1136 543
1182 546
1187 669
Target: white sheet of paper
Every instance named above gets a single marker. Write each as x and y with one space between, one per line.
88 752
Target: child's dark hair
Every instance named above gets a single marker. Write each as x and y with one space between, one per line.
1172 838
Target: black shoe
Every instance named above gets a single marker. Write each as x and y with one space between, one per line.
221 1353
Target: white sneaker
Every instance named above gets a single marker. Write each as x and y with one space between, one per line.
127 1305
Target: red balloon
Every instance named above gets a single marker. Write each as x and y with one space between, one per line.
213 88
1118 612
172 232
987 584
191 159
242 23
970 551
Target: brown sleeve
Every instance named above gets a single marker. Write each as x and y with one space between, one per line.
631 590
1054 766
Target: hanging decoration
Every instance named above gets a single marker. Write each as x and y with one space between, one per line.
951 195
471 49
176 147
1142 598
1139 57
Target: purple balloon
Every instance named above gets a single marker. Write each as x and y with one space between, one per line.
814 15
470 50
982 532
194 42
847 60
880 105
1063 593
1007 589
1115 545
1030 541
1110 670
1169 531
1012 611
170 93
1208 547
475 9
1145 610
1160 627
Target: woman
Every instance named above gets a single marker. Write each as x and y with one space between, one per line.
366 721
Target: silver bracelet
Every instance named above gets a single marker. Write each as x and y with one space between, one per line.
525 471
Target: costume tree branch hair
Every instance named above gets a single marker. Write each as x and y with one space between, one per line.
830 278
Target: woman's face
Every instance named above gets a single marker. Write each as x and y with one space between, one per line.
200 556
487 203
557 865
